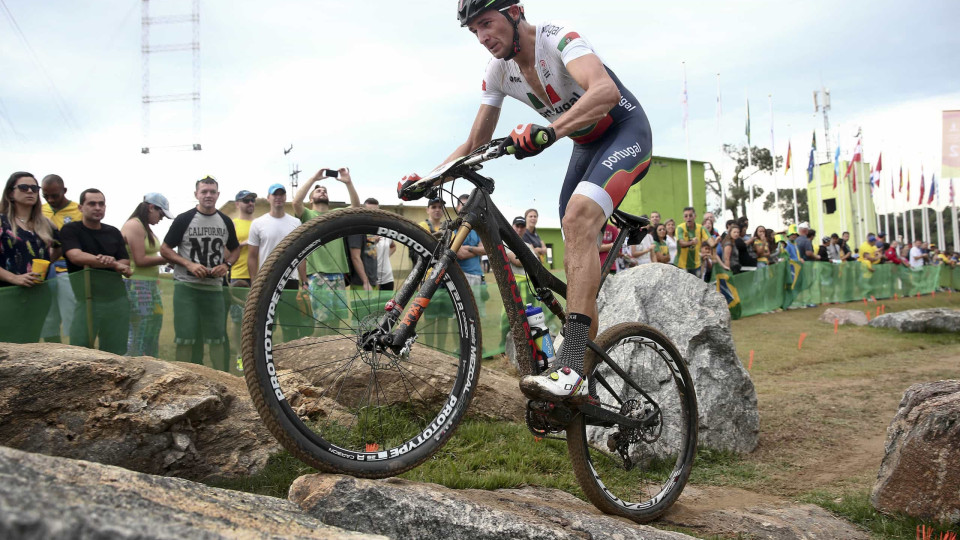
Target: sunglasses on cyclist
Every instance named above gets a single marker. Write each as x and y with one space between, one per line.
28 187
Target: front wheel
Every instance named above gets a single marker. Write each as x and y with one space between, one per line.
637 473
323 381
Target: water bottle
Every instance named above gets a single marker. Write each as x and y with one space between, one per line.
541 334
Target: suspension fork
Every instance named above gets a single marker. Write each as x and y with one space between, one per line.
406 328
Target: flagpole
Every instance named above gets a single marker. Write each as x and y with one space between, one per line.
686 135
773 157
862 200
816 168
939 210
836 166
953 208
793 184
723 189
896 229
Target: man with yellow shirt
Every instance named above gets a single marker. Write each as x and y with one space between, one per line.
690 236
60 211
246 204
869 253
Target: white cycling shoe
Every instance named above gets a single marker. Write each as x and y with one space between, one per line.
559 385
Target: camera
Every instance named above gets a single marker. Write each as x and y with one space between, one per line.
331 173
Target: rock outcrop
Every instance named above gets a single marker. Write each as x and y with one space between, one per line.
401 509
919 474
934 320
55 498
844 316
696 318
143 414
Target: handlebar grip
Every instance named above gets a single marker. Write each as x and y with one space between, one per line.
540 139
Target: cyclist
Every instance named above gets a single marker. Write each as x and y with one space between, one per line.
551 68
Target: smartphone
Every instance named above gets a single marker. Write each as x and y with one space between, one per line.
331 173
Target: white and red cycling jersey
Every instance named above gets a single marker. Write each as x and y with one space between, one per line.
556 46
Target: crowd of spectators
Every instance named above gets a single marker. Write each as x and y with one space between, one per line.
699 248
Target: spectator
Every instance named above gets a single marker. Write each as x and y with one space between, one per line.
760 246
744 224
246 203
731 255
143 291
745 254
90 243
470 252
790 247
643 253
892 254
434 221
719 243
917 257
609 234
711 231
708 259
661 250
654 222
671 226
845 245
266 232
690 235
531 237
385 248
834 251
327 265
804 244
822 253
206 247
869 254
933 255
25 236
60 211
773 247
519 226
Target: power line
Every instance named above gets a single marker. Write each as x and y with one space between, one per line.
62 107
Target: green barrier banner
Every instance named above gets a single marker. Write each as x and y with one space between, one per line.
190 323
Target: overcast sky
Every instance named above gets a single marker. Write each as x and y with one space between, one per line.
387 88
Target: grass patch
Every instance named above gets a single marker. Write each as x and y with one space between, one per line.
856 508
274 480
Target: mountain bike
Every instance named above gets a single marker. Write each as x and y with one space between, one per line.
385 378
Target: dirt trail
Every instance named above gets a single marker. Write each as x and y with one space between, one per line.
822 428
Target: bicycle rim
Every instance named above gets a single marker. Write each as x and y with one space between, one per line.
637 473
331 399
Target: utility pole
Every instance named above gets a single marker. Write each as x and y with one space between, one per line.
147 49
823 93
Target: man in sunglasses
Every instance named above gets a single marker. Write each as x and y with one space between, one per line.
246 203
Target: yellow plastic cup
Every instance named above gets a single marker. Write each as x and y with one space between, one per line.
40 266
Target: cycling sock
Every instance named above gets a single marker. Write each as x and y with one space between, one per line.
575 335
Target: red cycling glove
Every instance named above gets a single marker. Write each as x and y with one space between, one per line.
523 139
406 182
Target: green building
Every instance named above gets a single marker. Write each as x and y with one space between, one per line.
841 208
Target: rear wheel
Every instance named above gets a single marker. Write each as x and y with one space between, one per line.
325 387
636 473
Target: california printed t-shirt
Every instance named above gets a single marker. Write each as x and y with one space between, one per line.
203 239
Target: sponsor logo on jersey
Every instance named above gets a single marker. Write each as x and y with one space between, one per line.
614 158
537 104
559 109
567 39
551 29
515 79
544 69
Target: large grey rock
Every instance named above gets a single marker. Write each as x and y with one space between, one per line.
695 317
428 375
401 509
53 498
919 474
932 320
844 316
142 414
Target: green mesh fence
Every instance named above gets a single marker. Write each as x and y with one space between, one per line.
177 321
785 284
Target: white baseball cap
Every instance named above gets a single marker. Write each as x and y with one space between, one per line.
160 202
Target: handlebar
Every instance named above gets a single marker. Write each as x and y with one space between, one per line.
540 139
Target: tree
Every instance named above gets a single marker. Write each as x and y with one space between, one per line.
786 204
738 193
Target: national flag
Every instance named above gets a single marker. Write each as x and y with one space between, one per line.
789 157
836 166
813 149
901 178
908 185
951 191
891 186
922 186
879 168
857 156
933 188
